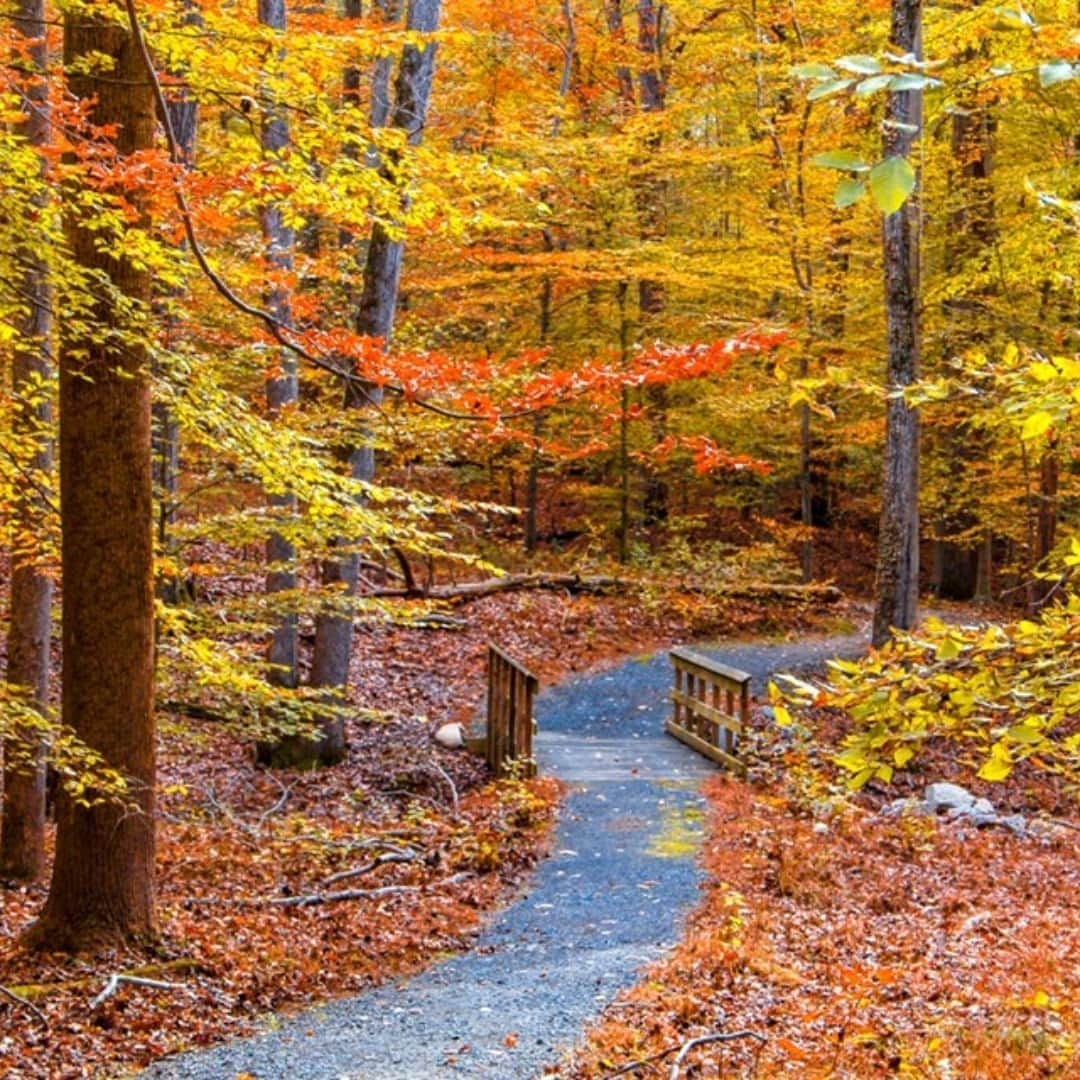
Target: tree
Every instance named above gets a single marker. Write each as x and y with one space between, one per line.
22 823
376 308
102 887
282 385
896 590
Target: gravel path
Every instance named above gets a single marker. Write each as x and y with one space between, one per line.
609 900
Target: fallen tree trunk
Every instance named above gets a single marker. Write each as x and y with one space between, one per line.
576 583
474 590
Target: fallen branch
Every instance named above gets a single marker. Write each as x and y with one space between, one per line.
29 1005
600 583
682 1050
40 991
315 899
474 590
704 1040
379 860
450 784
118 980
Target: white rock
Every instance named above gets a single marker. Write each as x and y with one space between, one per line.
943 796
452 736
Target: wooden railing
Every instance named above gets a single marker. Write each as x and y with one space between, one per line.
705 699
508 742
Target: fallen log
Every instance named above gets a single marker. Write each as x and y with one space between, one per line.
764 591
474 590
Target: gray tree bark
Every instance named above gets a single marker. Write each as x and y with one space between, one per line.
375 312
22 816
183 117
896 589
282 390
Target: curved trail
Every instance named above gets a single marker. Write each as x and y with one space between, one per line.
609 900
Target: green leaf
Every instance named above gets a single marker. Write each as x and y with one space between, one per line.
859 64
872 85
1057 71
913 82
828 89
848 192
891 182
847 160
813 71
1036 425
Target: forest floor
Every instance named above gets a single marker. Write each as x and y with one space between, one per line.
837 941
855 944
240 848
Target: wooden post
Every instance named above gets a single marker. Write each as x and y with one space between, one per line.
511 690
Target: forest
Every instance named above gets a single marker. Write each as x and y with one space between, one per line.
340 342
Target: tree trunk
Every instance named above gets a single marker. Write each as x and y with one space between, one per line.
969 251
183 117
532 478
22 817
102 890
896 589
374 318
282 391
282 388
650 194
1046 520
624 429
614 15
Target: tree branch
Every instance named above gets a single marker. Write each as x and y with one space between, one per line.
18 999
117 980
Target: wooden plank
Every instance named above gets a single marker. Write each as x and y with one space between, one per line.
701 708
714 753
702 664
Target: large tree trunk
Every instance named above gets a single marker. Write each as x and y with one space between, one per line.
374 318
22 819
102 889
896 590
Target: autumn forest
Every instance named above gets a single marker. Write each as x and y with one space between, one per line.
365 366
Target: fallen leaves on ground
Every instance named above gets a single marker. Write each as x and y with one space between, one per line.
862 946
239 846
